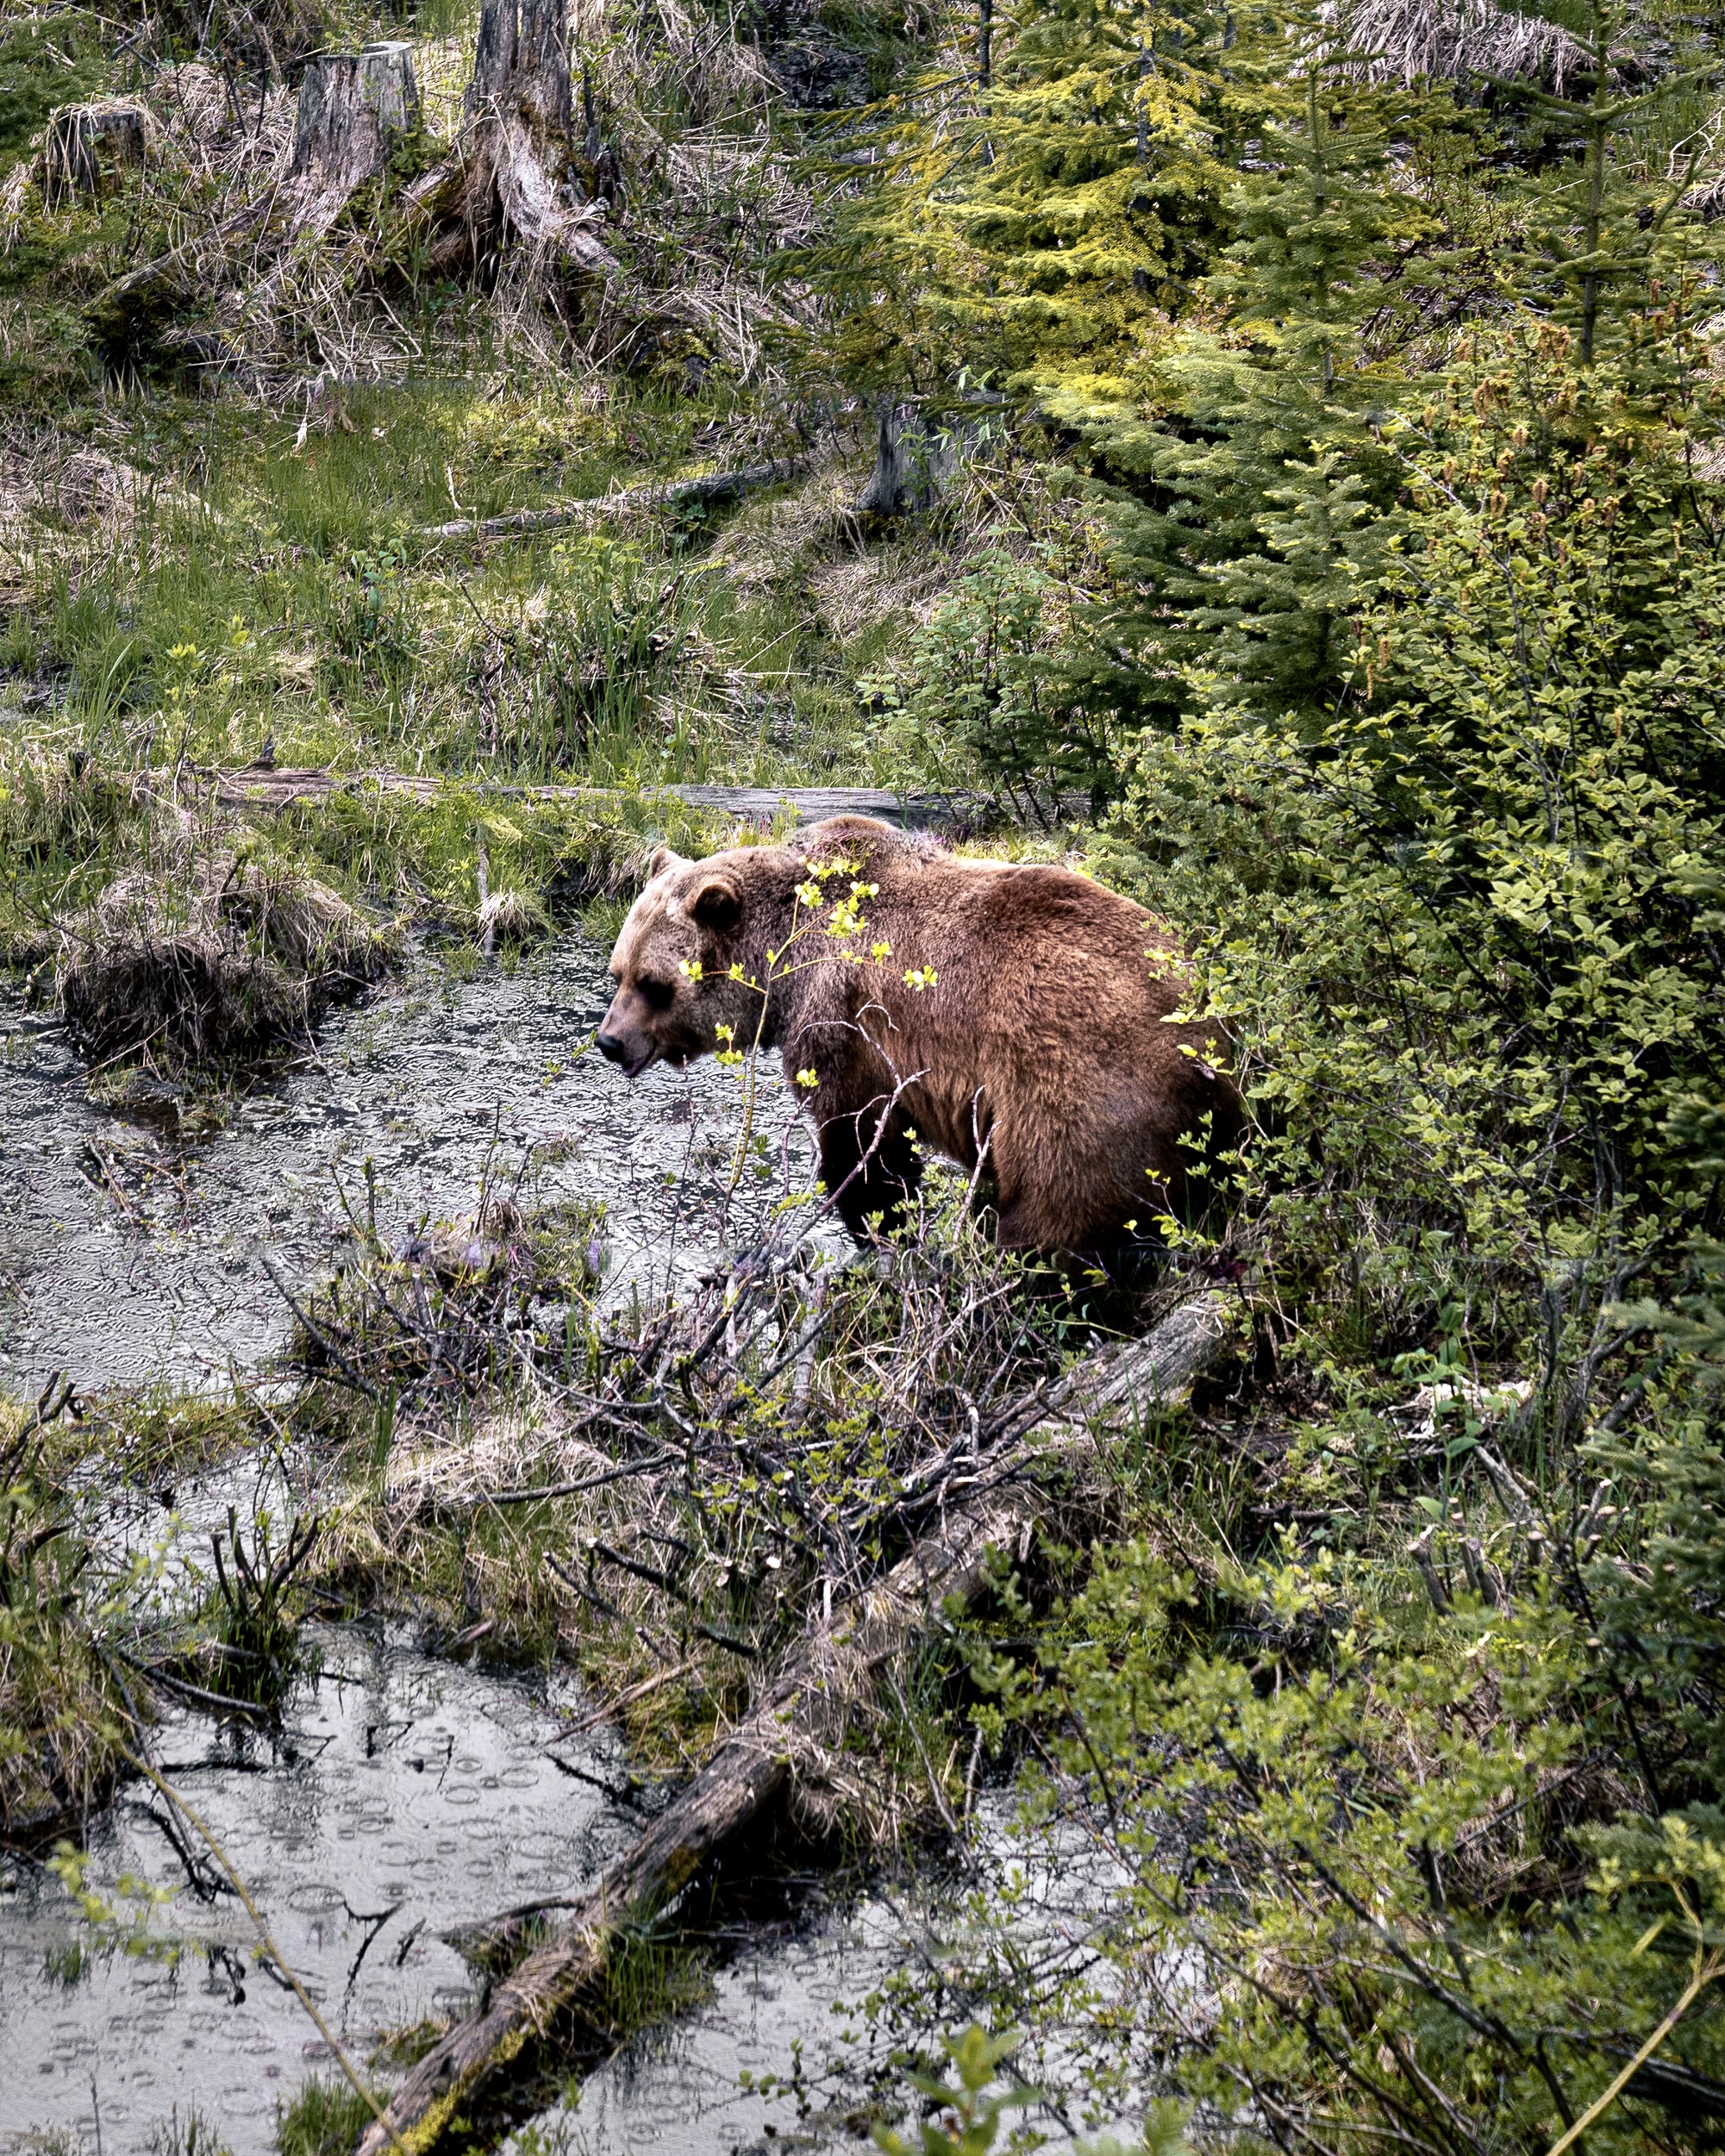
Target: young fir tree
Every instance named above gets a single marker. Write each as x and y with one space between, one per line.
1259 474
1029 215
1594 230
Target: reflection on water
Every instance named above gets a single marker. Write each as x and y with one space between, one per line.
125 1256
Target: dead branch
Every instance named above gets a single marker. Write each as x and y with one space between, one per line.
716 487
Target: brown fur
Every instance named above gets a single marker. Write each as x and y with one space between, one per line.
1045 1036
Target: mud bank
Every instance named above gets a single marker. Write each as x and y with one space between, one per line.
132 1252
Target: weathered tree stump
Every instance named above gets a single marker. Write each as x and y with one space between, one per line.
388 84
914 462
518 107
351 106
336 135
85 141
523 62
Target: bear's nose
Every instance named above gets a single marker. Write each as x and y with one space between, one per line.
610 1047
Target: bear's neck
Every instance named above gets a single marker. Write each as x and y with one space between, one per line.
799 974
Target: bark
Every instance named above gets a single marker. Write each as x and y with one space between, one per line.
352 107
388 84
82 141
518 106
914 463
522 60
805 1709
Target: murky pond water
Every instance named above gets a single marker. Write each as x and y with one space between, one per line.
127 1255
403 1797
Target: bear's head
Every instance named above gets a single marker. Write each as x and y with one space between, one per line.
672 964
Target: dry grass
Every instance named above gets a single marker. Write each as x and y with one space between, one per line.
200 956
1405 40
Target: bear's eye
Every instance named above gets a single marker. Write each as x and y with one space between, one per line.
657 995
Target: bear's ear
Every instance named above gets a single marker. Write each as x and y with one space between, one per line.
716 901
660 859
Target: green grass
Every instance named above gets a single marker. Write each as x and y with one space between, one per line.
325 2119
281 591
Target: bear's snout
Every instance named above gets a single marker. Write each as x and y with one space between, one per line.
622 1040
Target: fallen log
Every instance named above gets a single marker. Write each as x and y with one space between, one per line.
277 787
705 493
802 1717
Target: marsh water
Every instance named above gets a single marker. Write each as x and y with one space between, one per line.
402 1796
134 1249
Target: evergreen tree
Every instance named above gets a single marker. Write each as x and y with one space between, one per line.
1035 226
1260 447
1592 242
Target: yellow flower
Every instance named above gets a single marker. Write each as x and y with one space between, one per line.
808 1078
920 976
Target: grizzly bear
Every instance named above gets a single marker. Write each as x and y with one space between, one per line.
1018 1017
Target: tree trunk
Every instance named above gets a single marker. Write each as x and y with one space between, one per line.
82 139
798 1727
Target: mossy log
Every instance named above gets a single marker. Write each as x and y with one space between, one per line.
804 1711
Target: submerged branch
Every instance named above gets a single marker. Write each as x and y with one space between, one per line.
803 1709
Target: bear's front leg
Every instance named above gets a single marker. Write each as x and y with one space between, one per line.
867 1158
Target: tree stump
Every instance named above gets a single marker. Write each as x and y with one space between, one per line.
522 63
388 84
914 462
514 182
351 105
83 141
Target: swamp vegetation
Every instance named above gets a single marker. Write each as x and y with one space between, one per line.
1270 457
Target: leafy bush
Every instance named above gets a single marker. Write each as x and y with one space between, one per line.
979 699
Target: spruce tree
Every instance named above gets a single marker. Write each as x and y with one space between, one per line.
1032 230
1257 471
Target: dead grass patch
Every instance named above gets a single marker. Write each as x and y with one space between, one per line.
212 962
